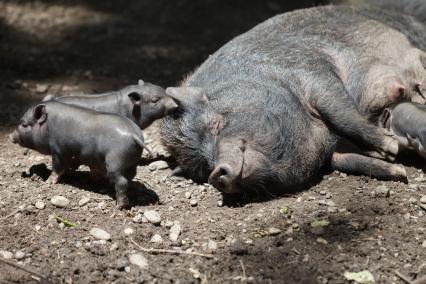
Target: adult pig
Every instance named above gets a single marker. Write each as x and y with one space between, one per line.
109 144
269 107
142 103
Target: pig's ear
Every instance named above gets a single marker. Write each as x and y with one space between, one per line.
395 90
40 114
135 98
187 95
141 82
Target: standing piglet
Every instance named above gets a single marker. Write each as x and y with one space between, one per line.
142 103
111 145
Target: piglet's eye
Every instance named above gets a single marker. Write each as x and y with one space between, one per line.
24 124
154 100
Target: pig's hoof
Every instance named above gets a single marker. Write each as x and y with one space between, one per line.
399 171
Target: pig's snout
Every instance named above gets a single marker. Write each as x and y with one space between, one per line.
171 105
14 137
224 179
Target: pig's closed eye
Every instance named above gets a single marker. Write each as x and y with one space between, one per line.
24 124
155 100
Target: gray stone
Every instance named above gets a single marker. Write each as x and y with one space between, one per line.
175 231
152 216
423 199
39 205
273 231
19 255
6 254
128 231
59 201
100 234
137 218
193 202
158 165
382 191
212 245
83 201
138 260
156 239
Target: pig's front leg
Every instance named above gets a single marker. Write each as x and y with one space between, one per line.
59 166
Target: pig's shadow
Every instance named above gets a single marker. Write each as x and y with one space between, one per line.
138 193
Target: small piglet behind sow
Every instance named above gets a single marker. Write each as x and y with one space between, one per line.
111 145
143 103
407 121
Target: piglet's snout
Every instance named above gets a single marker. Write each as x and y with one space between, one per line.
14 137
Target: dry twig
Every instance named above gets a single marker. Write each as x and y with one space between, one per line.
153 250
40 277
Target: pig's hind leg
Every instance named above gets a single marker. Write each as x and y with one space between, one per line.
340 113
116 175
361 165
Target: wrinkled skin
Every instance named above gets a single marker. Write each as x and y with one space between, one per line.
407 121
142 103
111 145
269 107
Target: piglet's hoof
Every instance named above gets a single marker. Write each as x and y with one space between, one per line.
123 204
399 172
53 178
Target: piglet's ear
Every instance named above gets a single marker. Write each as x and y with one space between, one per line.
187 95
395 90
141 82
135 98
40 114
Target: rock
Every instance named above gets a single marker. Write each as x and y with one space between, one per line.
138 260
156 239
137 218
158 165
382 191
175 231
113 247
128 231
330 203
193 202
168 224
423 199
152 216
59 201
423 206
407 216
39 205
424 244
19 255
273 231
322 241
413 186
412 200
102 205
332 209
6 254
100 234
83 201
220 203
212 245
41 88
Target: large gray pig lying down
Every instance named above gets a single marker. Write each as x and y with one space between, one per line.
270 106
143 103
407 121
111 145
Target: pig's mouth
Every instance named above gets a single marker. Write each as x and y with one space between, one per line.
224 179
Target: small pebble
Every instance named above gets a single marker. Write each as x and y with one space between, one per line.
152 216
6 254
156 239
19 255
102 205
137 218
59 201
193 202
412 200
382 191
158 165
407 216
175 231
423 199
100 234
83 201
322 241
39 205
212 245
138 260
424 244
273 231
128 231
168 224
220 203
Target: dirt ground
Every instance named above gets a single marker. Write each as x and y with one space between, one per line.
342 224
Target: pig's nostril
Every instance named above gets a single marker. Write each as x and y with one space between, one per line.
224 172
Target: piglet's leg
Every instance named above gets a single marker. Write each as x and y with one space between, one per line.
361 165
121 184
59 167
